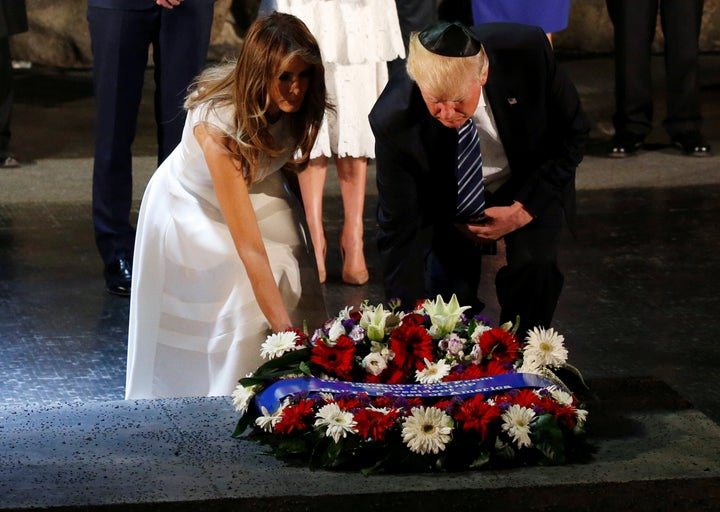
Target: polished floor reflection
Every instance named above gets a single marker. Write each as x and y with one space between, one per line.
642 272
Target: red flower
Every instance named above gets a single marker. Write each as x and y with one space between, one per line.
374 424
500 345
476 415
294 417
301 338
472 371
411 345
348 403
335 359
413 320
526 398
496 367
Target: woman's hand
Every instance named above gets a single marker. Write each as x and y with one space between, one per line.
237 209
497 222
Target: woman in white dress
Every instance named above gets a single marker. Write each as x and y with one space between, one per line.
219 250
357 39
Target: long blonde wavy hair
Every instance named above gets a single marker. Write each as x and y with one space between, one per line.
271 42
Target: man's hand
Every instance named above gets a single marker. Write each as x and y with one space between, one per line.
168 4
497 222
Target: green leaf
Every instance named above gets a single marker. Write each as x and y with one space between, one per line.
547 437
242 425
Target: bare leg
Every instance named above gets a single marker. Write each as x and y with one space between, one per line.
352 173
312 183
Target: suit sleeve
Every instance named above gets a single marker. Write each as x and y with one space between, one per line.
566 135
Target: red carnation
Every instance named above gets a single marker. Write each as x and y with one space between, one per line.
476 414
301 339
294 417
336 359
472 371
499 345
526 398
374 424
411 344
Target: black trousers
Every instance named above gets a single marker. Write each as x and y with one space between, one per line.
634 23
528 286
120 42
6 95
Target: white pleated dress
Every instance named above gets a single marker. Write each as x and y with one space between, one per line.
195 326
357 39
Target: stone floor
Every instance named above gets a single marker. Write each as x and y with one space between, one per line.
640 300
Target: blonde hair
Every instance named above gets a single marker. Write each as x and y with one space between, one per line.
270 43
444 77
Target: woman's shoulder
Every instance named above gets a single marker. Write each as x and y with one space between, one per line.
218 115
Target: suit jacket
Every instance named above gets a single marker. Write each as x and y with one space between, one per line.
13 17
540 122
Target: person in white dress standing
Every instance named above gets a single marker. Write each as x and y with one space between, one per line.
357 39
220 248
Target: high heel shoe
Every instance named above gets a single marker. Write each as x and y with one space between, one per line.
354 277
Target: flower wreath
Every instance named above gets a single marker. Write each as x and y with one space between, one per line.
377 388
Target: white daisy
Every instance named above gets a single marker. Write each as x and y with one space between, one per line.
433 372
516 422
545 347
337 421
277 344
267 421
581 416
565 398
560 395
241 397
427 430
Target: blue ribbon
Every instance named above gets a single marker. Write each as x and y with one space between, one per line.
271 397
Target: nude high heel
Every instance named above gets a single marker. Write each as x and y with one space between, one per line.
354 271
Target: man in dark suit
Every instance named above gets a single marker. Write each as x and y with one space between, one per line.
121 33
13 20
532 132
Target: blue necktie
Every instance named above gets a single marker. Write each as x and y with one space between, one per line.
471 191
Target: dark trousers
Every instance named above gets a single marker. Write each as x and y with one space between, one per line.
120 42
634 24
6 95
528 286
413 15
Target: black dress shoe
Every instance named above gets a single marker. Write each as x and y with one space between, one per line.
118 277
692 143
622 146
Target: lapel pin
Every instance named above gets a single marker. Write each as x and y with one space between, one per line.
512 101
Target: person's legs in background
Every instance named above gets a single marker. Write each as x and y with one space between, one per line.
681 21
6 102
120 41
312 185
352 173
634 30
180 53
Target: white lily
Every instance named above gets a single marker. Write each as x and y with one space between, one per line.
373 321
443 316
